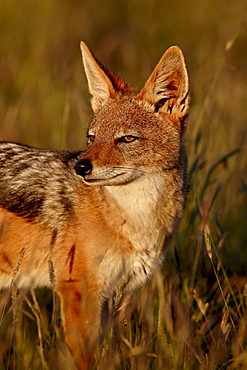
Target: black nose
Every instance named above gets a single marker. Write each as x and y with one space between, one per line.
83 167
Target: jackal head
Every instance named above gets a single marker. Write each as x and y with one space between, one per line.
134 132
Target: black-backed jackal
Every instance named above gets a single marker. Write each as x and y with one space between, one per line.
97 215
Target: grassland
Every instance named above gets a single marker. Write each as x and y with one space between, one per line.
193 313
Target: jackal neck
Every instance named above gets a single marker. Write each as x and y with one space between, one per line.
139 205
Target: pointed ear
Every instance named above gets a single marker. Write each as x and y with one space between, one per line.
167 87
103 84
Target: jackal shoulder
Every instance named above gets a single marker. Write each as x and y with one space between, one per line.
37 183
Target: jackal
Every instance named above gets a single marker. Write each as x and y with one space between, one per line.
97 215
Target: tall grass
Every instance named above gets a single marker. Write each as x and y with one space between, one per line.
192 314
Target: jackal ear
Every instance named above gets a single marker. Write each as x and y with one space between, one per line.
167 87
103 83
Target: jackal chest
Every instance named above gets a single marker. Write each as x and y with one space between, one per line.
129 270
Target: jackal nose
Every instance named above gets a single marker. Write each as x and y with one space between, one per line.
83 167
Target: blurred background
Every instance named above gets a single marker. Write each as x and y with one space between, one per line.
44 98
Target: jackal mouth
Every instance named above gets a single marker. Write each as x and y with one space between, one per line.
117 179
103 179
89 180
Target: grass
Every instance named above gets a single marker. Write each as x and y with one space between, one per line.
193 313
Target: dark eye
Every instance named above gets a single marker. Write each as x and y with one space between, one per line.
128 139
91 138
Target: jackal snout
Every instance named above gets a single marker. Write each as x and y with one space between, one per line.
83 167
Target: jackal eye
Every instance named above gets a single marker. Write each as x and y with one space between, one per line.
91 138
128 138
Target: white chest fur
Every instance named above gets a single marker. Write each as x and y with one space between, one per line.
139 202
